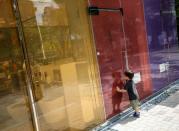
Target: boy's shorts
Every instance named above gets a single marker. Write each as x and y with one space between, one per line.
135 104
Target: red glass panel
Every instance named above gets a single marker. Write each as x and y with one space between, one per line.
120 40
137 48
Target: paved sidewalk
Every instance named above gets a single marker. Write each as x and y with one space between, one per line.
161 117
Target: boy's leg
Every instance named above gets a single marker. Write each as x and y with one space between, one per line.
135 105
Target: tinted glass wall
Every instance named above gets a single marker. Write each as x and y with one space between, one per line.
162 41
76 61
121 44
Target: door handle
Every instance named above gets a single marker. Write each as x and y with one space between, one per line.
93 10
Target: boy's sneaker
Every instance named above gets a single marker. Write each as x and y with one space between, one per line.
137 115
134 114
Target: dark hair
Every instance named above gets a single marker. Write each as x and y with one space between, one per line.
129 74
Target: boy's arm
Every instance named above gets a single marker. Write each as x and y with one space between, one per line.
120 90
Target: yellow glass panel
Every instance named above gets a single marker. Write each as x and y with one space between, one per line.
61 53
14 109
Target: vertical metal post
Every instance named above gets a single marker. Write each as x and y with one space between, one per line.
28 72
125 42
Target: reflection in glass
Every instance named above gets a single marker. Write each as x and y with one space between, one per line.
14 110
64 73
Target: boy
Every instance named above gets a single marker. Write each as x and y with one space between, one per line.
132 92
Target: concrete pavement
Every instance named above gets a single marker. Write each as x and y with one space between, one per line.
161 117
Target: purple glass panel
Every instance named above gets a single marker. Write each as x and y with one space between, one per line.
162 42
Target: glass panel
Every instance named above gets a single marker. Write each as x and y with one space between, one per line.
111 53
14 110
162 38
121 43
60 50
137 47
170 37
157 44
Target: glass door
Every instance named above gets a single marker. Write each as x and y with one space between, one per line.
14 106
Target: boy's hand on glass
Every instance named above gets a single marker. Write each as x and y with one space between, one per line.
118 89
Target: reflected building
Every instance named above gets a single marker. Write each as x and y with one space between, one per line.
60 66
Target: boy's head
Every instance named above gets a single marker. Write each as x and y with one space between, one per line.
128 75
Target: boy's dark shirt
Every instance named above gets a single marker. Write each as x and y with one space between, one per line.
131 90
